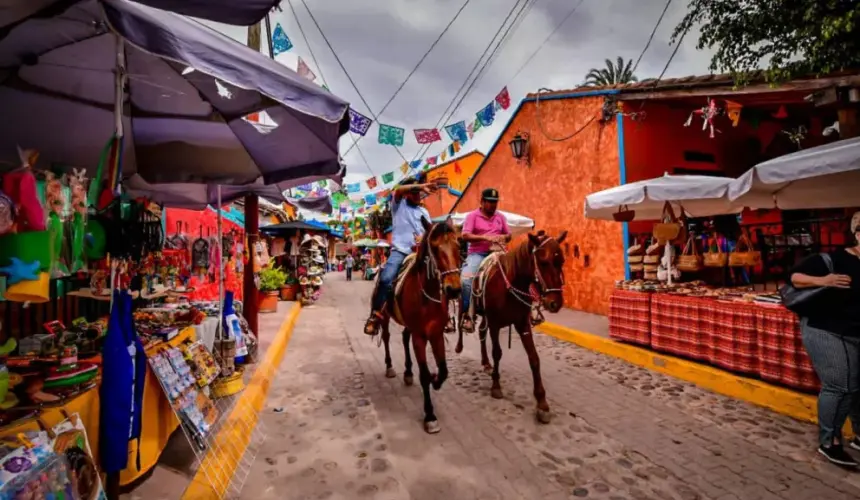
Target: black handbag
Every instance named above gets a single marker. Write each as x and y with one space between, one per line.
802 300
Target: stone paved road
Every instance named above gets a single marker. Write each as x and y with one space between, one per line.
619 432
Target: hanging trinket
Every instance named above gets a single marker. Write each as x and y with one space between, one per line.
796 135
708 113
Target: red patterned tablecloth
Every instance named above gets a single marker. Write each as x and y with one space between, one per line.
630 317
731 327
782 357
677 326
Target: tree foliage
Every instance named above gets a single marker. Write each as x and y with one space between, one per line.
616 73
786 38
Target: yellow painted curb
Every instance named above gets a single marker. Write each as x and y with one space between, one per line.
215 472
794 404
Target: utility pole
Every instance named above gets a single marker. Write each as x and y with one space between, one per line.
249 287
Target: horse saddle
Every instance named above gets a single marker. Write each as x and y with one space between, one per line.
481 277
405 267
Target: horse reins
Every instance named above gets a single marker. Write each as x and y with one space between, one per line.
526 297
432 268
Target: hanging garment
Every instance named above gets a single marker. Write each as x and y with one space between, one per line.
278 247
121 390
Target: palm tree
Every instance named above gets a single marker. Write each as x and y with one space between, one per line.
618 73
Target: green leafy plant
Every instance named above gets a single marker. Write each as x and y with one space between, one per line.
785 39
272 279
292 279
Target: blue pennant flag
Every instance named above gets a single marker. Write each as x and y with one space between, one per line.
487 115
280 41
457 132
416 163
370 199
358 123
353 188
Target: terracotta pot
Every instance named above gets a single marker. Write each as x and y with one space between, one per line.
288 292
268 302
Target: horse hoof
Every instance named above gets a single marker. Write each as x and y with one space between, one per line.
390 373
459 348
432 427
543 416
496 393
407 379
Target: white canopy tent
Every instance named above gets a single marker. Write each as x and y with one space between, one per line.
696 195
821 177
518 224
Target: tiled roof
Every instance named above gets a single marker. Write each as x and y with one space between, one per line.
689 82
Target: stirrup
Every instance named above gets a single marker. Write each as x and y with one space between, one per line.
471 323
371 326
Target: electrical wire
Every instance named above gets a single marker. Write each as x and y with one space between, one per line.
348 76
651 38
545 40
420 61
471 73
325 82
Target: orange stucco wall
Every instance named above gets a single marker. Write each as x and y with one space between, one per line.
553 188
458 172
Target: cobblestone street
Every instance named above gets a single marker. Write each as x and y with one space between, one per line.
618 431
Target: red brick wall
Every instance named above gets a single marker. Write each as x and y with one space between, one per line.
552 191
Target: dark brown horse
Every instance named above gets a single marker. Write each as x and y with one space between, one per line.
429 280
502 297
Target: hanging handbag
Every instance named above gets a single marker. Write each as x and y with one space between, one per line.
690 260
714 259
669 227
743 255
652 253
802 300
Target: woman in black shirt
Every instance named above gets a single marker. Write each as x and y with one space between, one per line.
831 336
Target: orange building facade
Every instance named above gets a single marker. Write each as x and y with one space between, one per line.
458 172
550 187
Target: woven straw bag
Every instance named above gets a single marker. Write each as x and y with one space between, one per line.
690 260
714 259
635 253
669 227
743 255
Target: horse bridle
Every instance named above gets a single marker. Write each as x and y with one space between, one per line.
526 297
432 267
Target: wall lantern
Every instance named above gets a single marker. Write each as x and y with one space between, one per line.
520 146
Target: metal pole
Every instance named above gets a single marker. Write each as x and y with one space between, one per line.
250 307
218 333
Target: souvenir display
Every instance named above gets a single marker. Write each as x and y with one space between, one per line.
71 441
201 361
34 470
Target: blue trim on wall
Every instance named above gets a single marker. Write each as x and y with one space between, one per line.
622 177
454 192
566 95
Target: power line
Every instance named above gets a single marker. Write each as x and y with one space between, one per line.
472 72
348 76
307 43
420 61
651 38
545 40
512 28
322 76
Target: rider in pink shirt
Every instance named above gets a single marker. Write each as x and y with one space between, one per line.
482 228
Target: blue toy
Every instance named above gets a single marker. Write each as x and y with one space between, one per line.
19 271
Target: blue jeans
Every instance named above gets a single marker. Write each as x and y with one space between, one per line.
837 362
386 278
470 269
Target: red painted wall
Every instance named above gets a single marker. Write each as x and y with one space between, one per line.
552 190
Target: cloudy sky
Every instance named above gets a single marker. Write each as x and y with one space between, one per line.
380 41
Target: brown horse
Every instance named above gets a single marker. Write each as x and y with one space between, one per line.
501 294
428 280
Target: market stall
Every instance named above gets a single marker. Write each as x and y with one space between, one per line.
666 305
142 357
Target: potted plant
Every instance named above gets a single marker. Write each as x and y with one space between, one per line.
290 288
271 280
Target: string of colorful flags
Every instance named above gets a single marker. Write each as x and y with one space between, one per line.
356 198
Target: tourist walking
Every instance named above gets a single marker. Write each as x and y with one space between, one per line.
349 263
831 335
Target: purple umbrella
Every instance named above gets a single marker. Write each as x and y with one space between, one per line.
238 12
58 88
